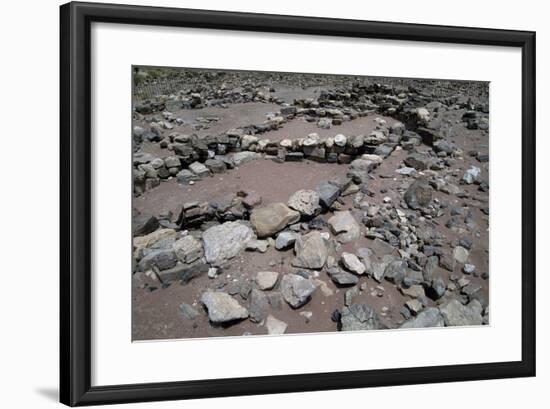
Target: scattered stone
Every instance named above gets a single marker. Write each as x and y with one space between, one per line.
266 280
395 271
342 277
258 306
437 288
328 193
305 201
471 175
429 317
240 158
352 263
275 326
222 308
188 311
225 241
296 289
285 240
144 224
358 317
456 314
324 123
162 259
188 249
344 225
469 268
270 219
311 251
418 195
212 272
215 166
460 254
417 161
340 140
414 306
414 291
199 169
406 171
257 245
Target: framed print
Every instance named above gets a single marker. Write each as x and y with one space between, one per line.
279 204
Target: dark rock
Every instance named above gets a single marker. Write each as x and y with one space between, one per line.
144 224
359 317
328 193
418 195
342 277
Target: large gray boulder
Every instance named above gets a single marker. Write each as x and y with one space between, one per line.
305 201
225 241
222 308
270 219
296 289
311 251
358 317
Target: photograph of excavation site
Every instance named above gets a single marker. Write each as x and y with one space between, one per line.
268 203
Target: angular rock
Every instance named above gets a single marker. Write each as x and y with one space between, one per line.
143 224
285 240
395 271
266 280
199 169
188 311
183 272
311 251
222 308
352 263
429 317
344 225
358 317
417 161
418 195
258 306
275 326
225 241
240 158
215 165
305 201
342 277
328 193
270 219
257 245
456 314
460 254
471 175
188 249
163 259
296 289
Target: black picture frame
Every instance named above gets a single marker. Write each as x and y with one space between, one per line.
76 199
